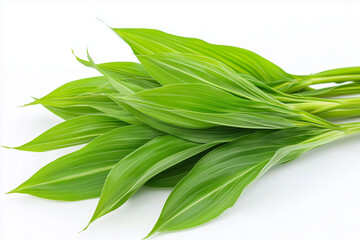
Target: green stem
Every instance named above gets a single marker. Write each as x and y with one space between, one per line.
338 71
340 75
319 105
345 89
348 103
332 79
339 113
351 128
326 108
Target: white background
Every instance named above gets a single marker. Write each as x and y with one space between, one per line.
315 197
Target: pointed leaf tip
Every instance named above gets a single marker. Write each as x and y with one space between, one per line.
103 22
82 61
7 147
30 103
15 190
86 227
151 233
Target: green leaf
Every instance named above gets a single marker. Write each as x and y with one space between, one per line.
81 174
171 68
218 179
71 112
78 88
129 72
149 41
219 134
195 105
99 102
119 79
80 97
171 176
72 132
133 171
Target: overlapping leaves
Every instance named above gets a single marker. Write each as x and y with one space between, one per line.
218 179
206 119
81 174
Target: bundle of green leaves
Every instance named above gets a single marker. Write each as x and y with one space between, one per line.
206 120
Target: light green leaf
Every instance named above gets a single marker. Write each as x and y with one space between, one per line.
99 102
171 176
217 180
71 112
133 171
171 68
195 105
81 174
78 88
129 72
149 41
80 97
219 134
123 87
72 132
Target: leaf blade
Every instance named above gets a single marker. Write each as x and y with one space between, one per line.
172 68
148 41
81 174
206 192
137 168
195 105
72 132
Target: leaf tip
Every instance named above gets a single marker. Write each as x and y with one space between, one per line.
93 218
15 190
103 22
7 147
31 103
82 61
86 227
150 234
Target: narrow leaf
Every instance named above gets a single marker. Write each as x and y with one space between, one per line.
202 106
72 132
137 168
71 112
121 86
171 68
81 174
149 41
171 176
219 134
129 72
80 97
206 192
